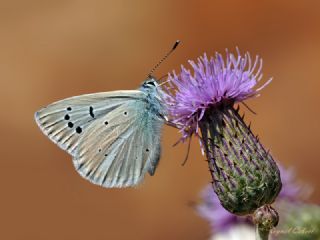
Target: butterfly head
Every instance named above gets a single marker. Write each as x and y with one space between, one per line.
150 84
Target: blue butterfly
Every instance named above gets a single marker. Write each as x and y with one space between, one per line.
113 137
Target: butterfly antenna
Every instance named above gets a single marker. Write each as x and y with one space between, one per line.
164 58
162 77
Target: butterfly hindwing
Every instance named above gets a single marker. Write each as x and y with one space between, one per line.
65 121
120 147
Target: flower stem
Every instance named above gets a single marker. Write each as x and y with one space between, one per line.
261 233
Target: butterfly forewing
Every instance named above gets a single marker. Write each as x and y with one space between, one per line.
65 121
120 147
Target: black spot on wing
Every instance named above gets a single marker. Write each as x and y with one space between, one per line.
79 130
70 124
69 108
66 117
91 112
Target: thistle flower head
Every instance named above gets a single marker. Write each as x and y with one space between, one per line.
245 176
214 80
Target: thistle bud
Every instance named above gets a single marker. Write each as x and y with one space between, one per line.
245 177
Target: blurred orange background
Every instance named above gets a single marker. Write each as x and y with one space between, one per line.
51 50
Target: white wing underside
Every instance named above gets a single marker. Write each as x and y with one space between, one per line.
61 120
113 139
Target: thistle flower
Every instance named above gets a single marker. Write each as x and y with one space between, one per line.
245 176
214 82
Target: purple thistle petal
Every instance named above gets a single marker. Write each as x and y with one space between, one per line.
213 81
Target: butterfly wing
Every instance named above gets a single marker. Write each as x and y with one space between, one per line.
120 147
65 121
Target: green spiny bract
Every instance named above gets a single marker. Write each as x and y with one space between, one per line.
245 176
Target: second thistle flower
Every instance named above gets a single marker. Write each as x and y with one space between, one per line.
245 176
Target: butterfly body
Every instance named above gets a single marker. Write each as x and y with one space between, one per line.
113 137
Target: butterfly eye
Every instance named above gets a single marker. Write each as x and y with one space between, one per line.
151 83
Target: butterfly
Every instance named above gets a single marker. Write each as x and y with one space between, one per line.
113 137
